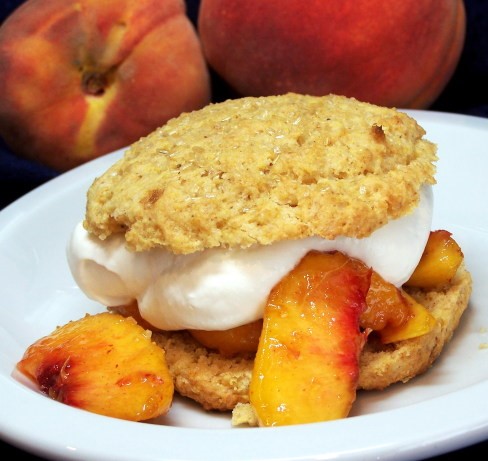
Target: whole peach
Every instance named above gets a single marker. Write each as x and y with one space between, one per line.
83 78
392 53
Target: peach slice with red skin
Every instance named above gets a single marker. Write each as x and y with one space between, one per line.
307 365
103 363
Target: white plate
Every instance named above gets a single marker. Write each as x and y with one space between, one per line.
445 409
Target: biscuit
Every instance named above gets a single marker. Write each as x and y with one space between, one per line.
209 378
220 383
261 170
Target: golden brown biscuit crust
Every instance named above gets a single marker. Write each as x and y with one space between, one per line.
260 170
216 382
221 383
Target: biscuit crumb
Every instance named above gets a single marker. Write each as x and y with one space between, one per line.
243 414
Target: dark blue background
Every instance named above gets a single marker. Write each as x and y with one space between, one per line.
467 93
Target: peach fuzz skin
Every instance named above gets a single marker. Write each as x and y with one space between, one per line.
81 79
395 54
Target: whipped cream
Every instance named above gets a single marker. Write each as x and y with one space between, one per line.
217 289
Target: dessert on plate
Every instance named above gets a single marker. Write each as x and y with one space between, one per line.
280 251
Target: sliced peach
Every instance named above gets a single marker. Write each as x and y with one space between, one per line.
385 305
103 363
241 339
306 368
439 262
419 322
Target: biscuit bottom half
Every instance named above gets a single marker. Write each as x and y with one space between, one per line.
221 383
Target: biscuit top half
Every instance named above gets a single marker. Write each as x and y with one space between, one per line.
261 170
